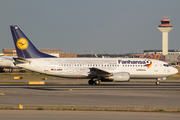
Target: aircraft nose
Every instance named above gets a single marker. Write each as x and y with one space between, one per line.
175 70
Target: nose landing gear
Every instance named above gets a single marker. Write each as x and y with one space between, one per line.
157 82
159 79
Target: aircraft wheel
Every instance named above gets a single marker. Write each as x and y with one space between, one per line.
157 83
97 82
90 82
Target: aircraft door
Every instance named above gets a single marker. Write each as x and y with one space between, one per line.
46 65
156 68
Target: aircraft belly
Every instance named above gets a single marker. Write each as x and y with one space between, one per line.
143 76
68 75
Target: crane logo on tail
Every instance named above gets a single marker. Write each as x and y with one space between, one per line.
22 43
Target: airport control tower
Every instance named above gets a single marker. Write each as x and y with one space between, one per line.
165 27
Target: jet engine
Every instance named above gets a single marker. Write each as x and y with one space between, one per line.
119 77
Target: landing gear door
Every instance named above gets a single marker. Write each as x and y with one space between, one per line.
156 67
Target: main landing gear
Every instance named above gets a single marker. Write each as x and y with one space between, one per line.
94 81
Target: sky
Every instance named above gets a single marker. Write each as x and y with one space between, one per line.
83 26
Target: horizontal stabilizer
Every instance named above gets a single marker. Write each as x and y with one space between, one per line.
21 60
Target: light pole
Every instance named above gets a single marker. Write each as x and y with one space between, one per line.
92 52
118 52
114 53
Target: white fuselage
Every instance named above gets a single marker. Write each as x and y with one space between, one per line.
80 67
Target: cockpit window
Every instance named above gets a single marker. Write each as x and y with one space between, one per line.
166 65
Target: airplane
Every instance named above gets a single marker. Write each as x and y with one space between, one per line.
95 69
7 62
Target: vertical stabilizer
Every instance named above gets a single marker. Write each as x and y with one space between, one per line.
24 47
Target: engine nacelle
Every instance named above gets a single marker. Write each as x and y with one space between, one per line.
119 77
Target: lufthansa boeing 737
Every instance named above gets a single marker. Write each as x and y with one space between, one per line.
96 69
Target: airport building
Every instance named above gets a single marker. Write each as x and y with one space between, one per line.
152 52
173 59
54 52
154 56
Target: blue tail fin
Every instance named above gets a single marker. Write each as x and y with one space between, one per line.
24 47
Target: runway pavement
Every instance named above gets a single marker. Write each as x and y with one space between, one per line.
84 115
137 94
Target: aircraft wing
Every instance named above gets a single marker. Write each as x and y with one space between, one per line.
98 72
